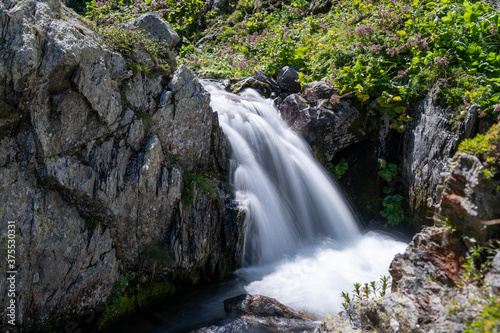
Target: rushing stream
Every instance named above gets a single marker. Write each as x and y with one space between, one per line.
302 244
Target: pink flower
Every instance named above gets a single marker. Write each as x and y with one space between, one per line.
402 74
442 61
364 30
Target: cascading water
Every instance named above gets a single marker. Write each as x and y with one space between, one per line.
288 199
302 244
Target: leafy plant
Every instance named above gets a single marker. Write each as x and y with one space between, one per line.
114 308
479 261
387 170
339 169
371 290
129 42
393 209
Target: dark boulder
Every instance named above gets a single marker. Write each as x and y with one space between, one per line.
288 79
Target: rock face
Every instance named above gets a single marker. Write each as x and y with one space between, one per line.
326 122
92 162
425 296
468 198
429 141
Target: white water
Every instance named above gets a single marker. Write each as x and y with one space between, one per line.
302 244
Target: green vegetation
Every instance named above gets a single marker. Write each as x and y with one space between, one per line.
91 222
387 52
367 291
488 320
339 169
392 203
115 307
479 262
387 170
203 182
130 43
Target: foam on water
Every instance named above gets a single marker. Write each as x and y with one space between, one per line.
314 281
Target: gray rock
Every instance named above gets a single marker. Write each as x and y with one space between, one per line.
262 87
219 5
329 128
468 198
288 79
262 310
429 141
186 129
260 76
296 112
320 6
91 181
319 90
156 28
425 296
493 276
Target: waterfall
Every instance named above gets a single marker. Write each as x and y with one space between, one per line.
289 200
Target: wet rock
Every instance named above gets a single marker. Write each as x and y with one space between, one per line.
262 87
295 111
155 28
429 141
288 79
268 312
260 76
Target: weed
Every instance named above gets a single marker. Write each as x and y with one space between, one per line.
371 290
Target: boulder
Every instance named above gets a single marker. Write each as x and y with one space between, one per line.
327 127
320 6
156 28
288 79
265 311
319 90
262 87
